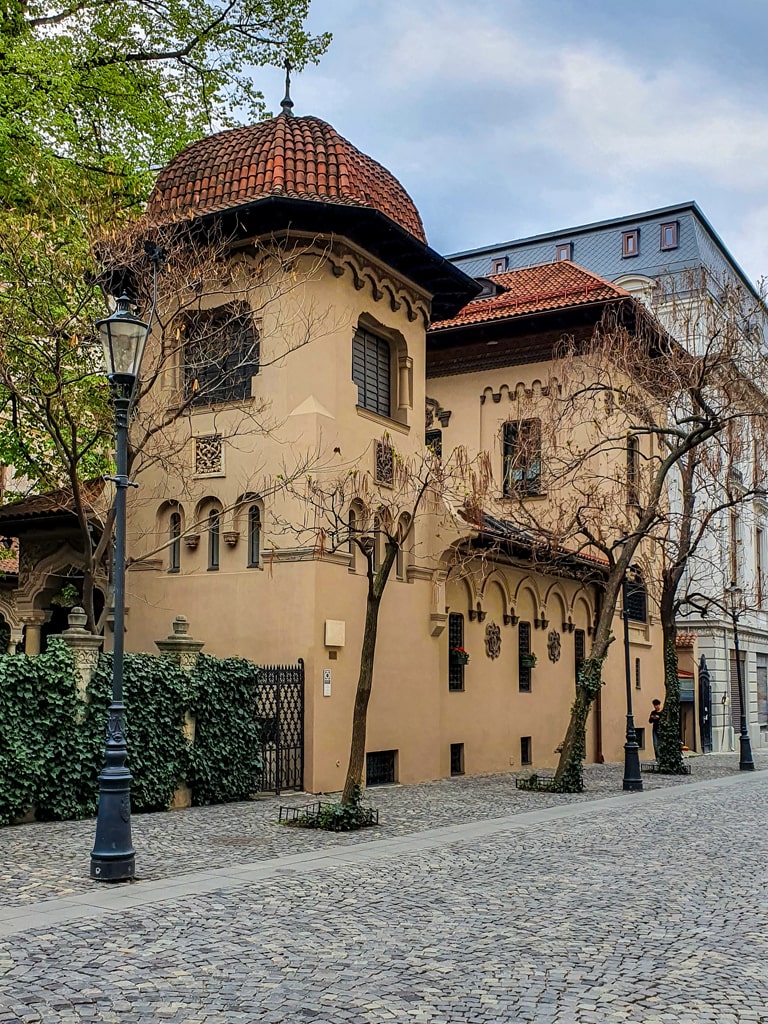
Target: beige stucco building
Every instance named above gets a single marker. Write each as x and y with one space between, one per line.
331 330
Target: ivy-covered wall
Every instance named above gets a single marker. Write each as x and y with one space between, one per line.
52 743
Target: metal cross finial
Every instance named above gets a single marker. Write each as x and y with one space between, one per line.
287 103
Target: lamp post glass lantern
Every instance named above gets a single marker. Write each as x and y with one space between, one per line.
123 337
734 595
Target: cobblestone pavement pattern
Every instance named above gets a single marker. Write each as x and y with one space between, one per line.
646 912
50 859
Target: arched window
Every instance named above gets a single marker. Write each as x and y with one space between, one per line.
174 551
221 355
214 530
351 546
371 371
254 536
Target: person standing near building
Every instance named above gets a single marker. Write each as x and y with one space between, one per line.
654 720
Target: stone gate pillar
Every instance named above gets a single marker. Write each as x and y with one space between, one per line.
184 650
85 649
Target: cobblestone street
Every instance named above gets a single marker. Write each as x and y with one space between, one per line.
640 908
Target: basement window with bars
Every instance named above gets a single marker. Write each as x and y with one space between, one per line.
381 767
457 759
372 372
526 753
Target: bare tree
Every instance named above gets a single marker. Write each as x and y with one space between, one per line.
621 412
206 305
384 516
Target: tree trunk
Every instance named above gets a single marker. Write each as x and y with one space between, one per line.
670 757
569 776
354 779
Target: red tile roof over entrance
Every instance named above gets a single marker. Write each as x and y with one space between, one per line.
535 290
288 157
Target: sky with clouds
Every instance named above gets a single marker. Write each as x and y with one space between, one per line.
504 118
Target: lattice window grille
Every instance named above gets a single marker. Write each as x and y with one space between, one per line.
209 456
385 463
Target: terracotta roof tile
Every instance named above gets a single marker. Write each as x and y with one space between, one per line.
294 157
535 290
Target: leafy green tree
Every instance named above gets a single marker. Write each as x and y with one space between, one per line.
95 96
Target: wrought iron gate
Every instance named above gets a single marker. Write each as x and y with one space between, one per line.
280 711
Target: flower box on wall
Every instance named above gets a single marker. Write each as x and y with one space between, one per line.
459 656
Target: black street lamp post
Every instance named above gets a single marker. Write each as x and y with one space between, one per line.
633 781
746 764
112 859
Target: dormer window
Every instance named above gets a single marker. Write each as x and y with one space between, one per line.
564 251
500 264
630 243
670 236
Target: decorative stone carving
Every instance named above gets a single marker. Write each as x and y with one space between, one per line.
180 646
231 537
191 540
492 640
434 411
85 649
553 645
209 455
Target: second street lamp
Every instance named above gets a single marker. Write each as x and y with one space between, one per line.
123 337
633 780
734 595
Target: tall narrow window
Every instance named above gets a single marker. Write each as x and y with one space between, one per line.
371 371
524 650
759 541
521 450
352 533
377 543
762 690
638 681
579 650
735 692
457 657
526 755
174 551
433 439
633 470
213 539
734 531
254 536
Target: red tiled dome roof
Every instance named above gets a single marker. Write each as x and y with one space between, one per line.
288 157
